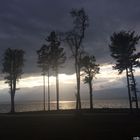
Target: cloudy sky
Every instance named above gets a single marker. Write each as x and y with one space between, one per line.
25 24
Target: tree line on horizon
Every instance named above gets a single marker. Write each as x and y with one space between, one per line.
51 56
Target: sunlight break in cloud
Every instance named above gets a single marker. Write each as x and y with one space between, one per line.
38 80
107 78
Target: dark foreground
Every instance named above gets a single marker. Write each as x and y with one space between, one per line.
95 125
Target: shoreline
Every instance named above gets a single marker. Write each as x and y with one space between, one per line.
83 110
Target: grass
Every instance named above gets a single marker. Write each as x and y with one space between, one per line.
99 124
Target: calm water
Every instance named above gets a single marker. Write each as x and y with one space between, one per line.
38 105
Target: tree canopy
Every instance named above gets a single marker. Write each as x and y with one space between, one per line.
89 67
123 48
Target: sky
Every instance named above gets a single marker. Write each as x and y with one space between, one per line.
26 24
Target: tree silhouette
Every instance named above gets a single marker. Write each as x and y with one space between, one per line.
90 69
74 39
13 62
123 47
58 57
44 62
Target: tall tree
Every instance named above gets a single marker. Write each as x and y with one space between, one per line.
123 50
44 62
74 39
58 58
13 62
90 69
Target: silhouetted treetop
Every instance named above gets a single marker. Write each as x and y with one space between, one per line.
123 47
57 53
13 62
44 59
90 68
76 35
80 20
53 39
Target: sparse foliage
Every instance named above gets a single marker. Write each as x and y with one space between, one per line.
58 58
90 69
74 39
13 63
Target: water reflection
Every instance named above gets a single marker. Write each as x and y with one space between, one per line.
38 105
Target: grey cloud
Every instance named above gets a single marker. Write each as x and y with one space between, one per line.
25 24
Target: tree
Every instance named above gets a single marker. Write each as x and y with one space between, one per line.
74 39
90 69
44 62
13 62
58 58
123 48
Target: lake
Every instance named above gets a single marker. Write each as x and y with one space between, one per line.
38 105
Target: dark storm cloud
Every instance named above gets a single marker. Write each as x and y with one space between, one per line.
25 24
107 17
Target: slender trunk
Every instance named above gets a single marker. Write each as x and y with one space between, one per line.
128 86
78 95
77 102
90 92
135 91
12 102
44 91
48 90
13 89
77 105
78 98
57 89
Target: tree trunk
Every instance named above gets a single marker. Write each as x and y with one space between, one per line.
128 86
77 82
13 90
12 103
57 89
44 91
135 90
78 98
48 91
90 92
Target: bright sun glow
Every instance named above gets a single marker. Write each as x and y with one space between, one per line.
38 80
107 72
67 79
106 76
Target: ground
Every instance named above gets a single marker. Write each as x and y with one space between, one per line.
97 125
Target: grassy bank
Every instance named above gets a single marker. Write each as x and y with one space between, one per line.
114 124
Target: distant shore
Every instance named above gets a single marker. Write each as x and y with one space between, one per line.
83 110
99 124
